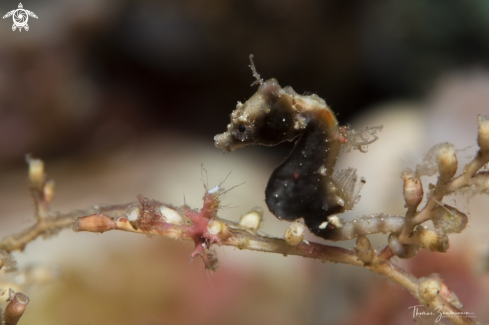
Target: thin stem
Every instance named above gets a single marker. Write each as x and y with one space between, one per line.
239 238
15 309
243 239
53 223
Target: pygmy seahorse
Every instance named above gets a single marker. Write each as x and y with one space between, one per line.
303 186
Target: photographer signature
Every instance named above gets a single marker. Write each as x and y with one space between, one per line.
439 313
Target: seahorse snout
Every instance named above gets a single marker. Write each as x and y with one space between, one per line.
223 141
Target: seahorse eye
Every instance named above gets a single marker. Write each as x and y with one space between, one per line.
242 129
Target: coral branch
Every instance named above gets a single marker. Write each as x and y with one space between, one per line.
471 180
241 238
53 223
15 309
411 283
49 223
205 228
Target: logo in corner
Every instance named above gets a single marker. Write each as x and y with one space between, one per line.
20 16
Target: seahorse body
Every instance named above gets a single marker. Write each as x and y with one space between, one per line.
303 185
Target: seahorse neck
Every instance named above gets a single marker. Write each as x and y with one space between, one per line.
319 145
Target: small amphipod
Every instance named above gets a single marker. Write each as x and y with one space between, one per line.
303 186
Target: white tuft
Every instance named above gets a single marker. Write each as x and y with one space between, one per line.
323 225
335 221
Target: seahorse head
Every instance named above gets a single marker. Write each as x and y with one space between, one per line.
271 116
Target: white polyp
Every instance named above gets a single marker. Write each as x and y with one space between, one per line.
297 229
431 240
428 290
36 172
447 160
412 188
251 220
323 225
483 138
133 213
335 221
171 216
214 190
396 246
294 233
48 190
364 249
214 227
363 243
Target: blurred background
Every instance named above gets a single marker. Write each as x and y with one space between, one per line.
124 97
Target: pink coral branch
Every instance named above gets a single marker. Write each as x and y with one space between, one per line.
231 234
